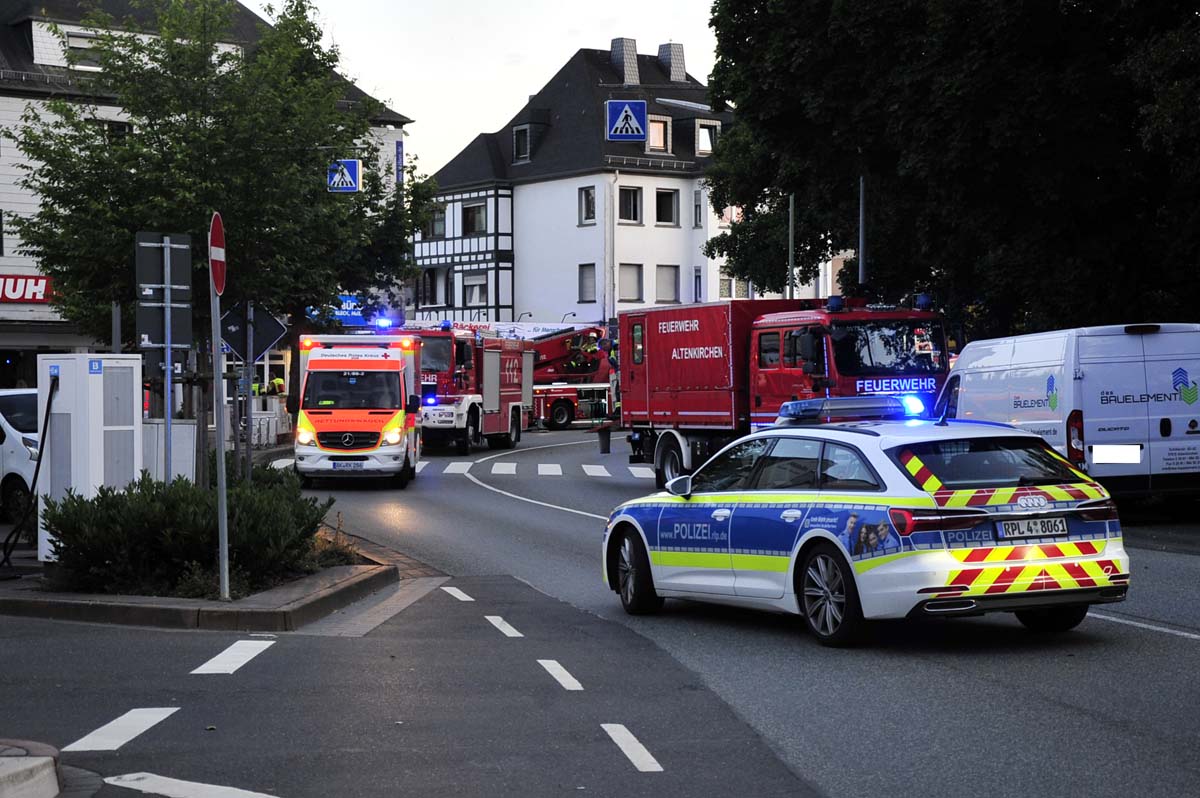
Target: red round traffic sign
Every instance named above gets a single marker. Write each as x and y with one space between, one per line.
216 253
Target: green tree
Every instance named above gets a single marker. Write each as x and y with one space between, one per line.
249 131
1032 163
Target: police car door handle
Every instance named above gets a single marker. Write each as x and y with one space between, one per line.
791 515
721 515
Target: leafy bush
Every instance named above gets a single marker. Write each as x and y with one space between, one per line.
161 539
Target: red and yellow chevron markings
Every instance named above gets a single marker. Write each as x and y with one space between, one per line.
920 472
990 497
1020 569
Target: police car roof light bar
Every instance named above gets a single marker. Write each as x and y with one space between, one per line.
846 408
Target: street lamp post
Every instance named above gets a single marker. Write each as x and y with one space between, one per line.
565 315
526 313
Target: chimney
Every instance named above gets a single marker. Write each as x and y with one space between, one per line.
624 59
671 58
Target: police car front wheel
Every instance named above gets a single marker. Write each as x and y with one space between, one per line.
829 597
635 583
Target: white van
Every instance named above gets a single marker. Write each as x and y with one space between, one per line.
18 449
1121 401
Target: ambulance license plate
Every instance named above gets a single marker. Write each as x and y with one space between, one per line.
347 466
1032 527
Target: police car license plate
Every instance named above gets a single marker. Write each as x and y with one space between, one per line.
1032 527
347 466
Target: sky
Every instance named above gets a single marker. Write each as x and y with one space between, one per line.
464 68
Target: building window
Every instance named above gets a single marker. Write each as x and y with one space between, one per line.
521 144
706 138
725 289
587 205
475 293
474 219
666 207
436 226
630 205
729 216
629 287
587 282
449 289
658 134
81 52
427 288
697 208
741 289
698 285
667 284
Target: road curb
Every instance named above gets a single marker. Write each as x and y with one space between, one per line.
28 770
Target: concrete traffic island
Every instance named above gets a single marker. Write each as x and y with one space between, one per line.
28 770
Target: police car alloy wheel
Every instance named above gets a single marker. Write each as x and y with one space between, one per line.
634 581
1054 619
828 598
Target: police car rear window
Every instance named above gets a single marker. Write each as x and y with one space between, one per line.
981 463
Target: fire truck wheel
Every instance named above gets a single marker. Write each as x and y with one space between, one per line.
561 415
509 439
668 462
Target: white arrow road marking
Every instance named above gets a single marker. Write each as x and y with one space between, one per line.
560 674
504 468
115 734
642 472
457 468
458 594
235 656
174 788
629 745
549 470
503 626
596 471
421 466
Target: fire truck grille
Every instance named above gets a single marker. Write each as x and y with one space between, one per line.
347 440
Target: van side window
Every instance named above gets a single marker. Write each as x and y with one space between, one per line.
768 350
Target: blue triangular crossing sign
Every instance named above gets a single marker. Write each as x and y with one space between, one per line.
625 120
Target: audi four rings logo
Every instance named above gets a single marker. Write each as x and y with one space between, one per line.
348 440
1031 502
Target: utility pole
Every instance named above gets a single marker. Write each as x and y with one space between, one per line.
862 230
791 284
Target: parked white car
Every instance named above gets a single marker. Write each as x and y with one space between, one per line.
18 448
1121 402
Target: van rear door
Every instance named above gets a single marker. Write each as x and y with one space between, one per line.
1115 412
1173 385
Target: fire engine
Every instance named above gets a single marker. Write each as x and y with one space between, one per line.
572 377
695 377
359 407
474 387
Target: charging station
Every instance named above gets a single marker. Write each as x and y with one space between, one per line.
92 436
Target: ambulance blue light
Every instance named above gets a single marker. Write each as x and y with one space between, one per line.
383 322
835 304
912 405
447 324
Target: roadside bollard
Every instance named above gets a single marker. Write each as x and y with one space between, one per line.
604 433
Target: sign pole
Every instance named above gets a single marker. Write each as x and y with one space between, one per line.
216 236
168 395
249 389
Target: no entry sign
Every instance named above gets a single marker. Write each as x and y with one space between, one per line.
216 253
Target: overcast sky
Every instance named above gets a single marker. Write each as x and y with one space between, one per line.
464 68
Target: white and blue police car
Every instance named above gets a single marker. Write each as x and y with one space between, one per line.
849 510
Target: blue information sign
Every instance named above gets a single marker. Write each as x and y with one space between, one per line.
399 161
95 366
343 177
625 120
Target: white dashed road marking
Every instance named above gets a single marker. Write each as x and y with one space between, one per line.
458 594
1149 626
642 472
560 674
421 466
629 745
235 656
457 468
115 734
549 470
174 788
503 626
504 468
596 471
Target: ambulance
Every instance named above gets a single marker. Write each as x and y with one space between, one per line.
359 408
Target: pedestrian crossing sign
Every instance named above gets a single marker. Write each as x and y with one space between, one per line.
625 120
343 177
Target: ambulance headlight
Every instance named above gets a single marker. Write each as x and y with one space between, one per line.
392 437
305 437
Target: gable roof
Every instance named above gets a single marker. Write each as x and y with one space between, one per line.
20 75
566 123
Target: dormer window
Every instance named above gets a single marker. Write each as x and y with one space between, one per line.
706 137
81 50
521 144
658 134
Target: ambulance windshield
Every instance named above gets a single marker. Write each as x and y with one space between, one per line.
352 390
888 347
436 354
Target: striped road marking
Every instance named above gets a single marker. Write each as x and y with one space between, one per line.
458 594
115 734
629 745
504 468
560 674
174 788
457 468
421 466
503 626
549 470
596 471
234 657
642 472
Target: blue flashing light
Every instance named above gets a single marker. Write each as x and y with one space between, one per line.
835 304
431 399
842 408
447 324
383 322
924 302
913 405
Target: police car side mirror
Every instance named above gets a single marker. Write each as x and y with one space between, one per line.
413 405
680 486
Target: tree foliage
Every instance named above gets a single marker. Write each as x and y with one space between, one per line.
248 131
1034 164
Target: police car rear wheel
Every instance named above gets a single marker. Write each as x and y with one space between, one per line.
828 597
1053 620
634 581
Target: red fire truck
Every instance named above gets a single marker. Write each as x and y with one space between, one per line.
572 377
474 387
695 377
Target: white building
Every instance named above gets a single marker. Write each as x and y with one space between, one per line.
33 67
546 218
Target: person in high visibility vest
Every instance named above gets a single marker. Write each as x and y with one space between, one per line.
276 388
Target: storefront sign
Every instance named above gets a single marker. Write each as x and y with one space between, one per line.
24 289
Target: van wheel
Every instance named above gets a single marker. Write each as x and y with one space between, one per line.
635 583
828 597
1054 620
14 497
561 415
404 474
668 463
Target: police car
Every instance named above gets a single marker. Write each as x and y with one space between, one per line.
839 518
